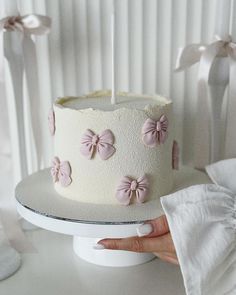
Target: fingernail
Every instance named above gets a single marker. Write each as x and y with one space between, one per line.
98 247
144 229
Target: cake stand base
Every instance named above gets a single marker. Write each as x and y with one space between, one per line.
41 205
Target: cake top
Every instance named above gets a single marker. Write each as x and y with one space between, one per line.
100 100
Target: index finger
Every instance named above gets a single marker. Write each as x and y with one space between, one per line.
136 244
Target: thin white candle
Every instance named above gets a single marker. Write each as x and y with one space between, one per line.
113 95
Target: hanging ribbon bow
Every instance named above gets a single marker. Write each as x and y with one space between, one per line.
217 76
128 186
205 54
19 49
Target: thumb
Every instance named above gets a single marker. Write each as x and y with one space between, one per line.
154 228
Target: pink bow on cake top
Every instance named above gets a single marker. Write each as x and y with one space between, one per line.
61 172
155 132
129 186
102 144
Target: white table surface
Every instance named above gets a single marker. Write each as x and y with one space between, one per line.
56 270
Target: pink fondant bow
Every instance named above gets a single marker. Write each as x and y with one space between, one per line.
61 171
128 186
102 143
51 121
155 132
175 155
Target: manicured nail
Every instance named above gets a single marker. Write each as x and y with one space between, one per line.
98 247
144 229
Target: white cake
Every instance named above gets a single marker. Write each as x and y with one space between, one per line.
112 154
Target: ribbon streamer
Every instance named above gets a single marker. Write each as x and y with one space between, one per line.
19 49
17 45
217 67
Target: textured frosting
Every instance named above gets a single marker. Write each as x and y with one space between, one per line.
95 180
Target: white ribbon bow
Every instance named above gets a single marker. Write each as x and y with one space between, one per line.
30 23
206 54
19 49
209 74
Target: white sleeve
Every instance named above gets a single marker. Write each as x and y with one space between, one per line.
202 221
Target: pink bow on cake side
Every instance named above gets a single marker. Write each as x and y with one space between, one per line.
175 155
51 121
61 172
155 132
129 186
102 144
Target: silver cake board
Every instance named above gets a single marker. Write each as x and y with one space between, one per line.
40 204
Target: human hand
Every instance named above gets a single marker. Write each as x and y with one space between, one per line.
153 236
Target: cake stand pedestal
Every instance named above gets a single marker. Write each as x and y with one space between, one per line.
85 235
40 204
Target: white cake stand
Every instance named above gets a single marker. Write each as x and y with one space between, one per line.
40 204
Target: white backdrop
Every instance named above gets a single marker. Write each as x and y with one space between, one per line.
76 57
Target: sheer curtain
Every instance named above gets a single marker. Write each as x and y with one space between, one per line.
76 58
